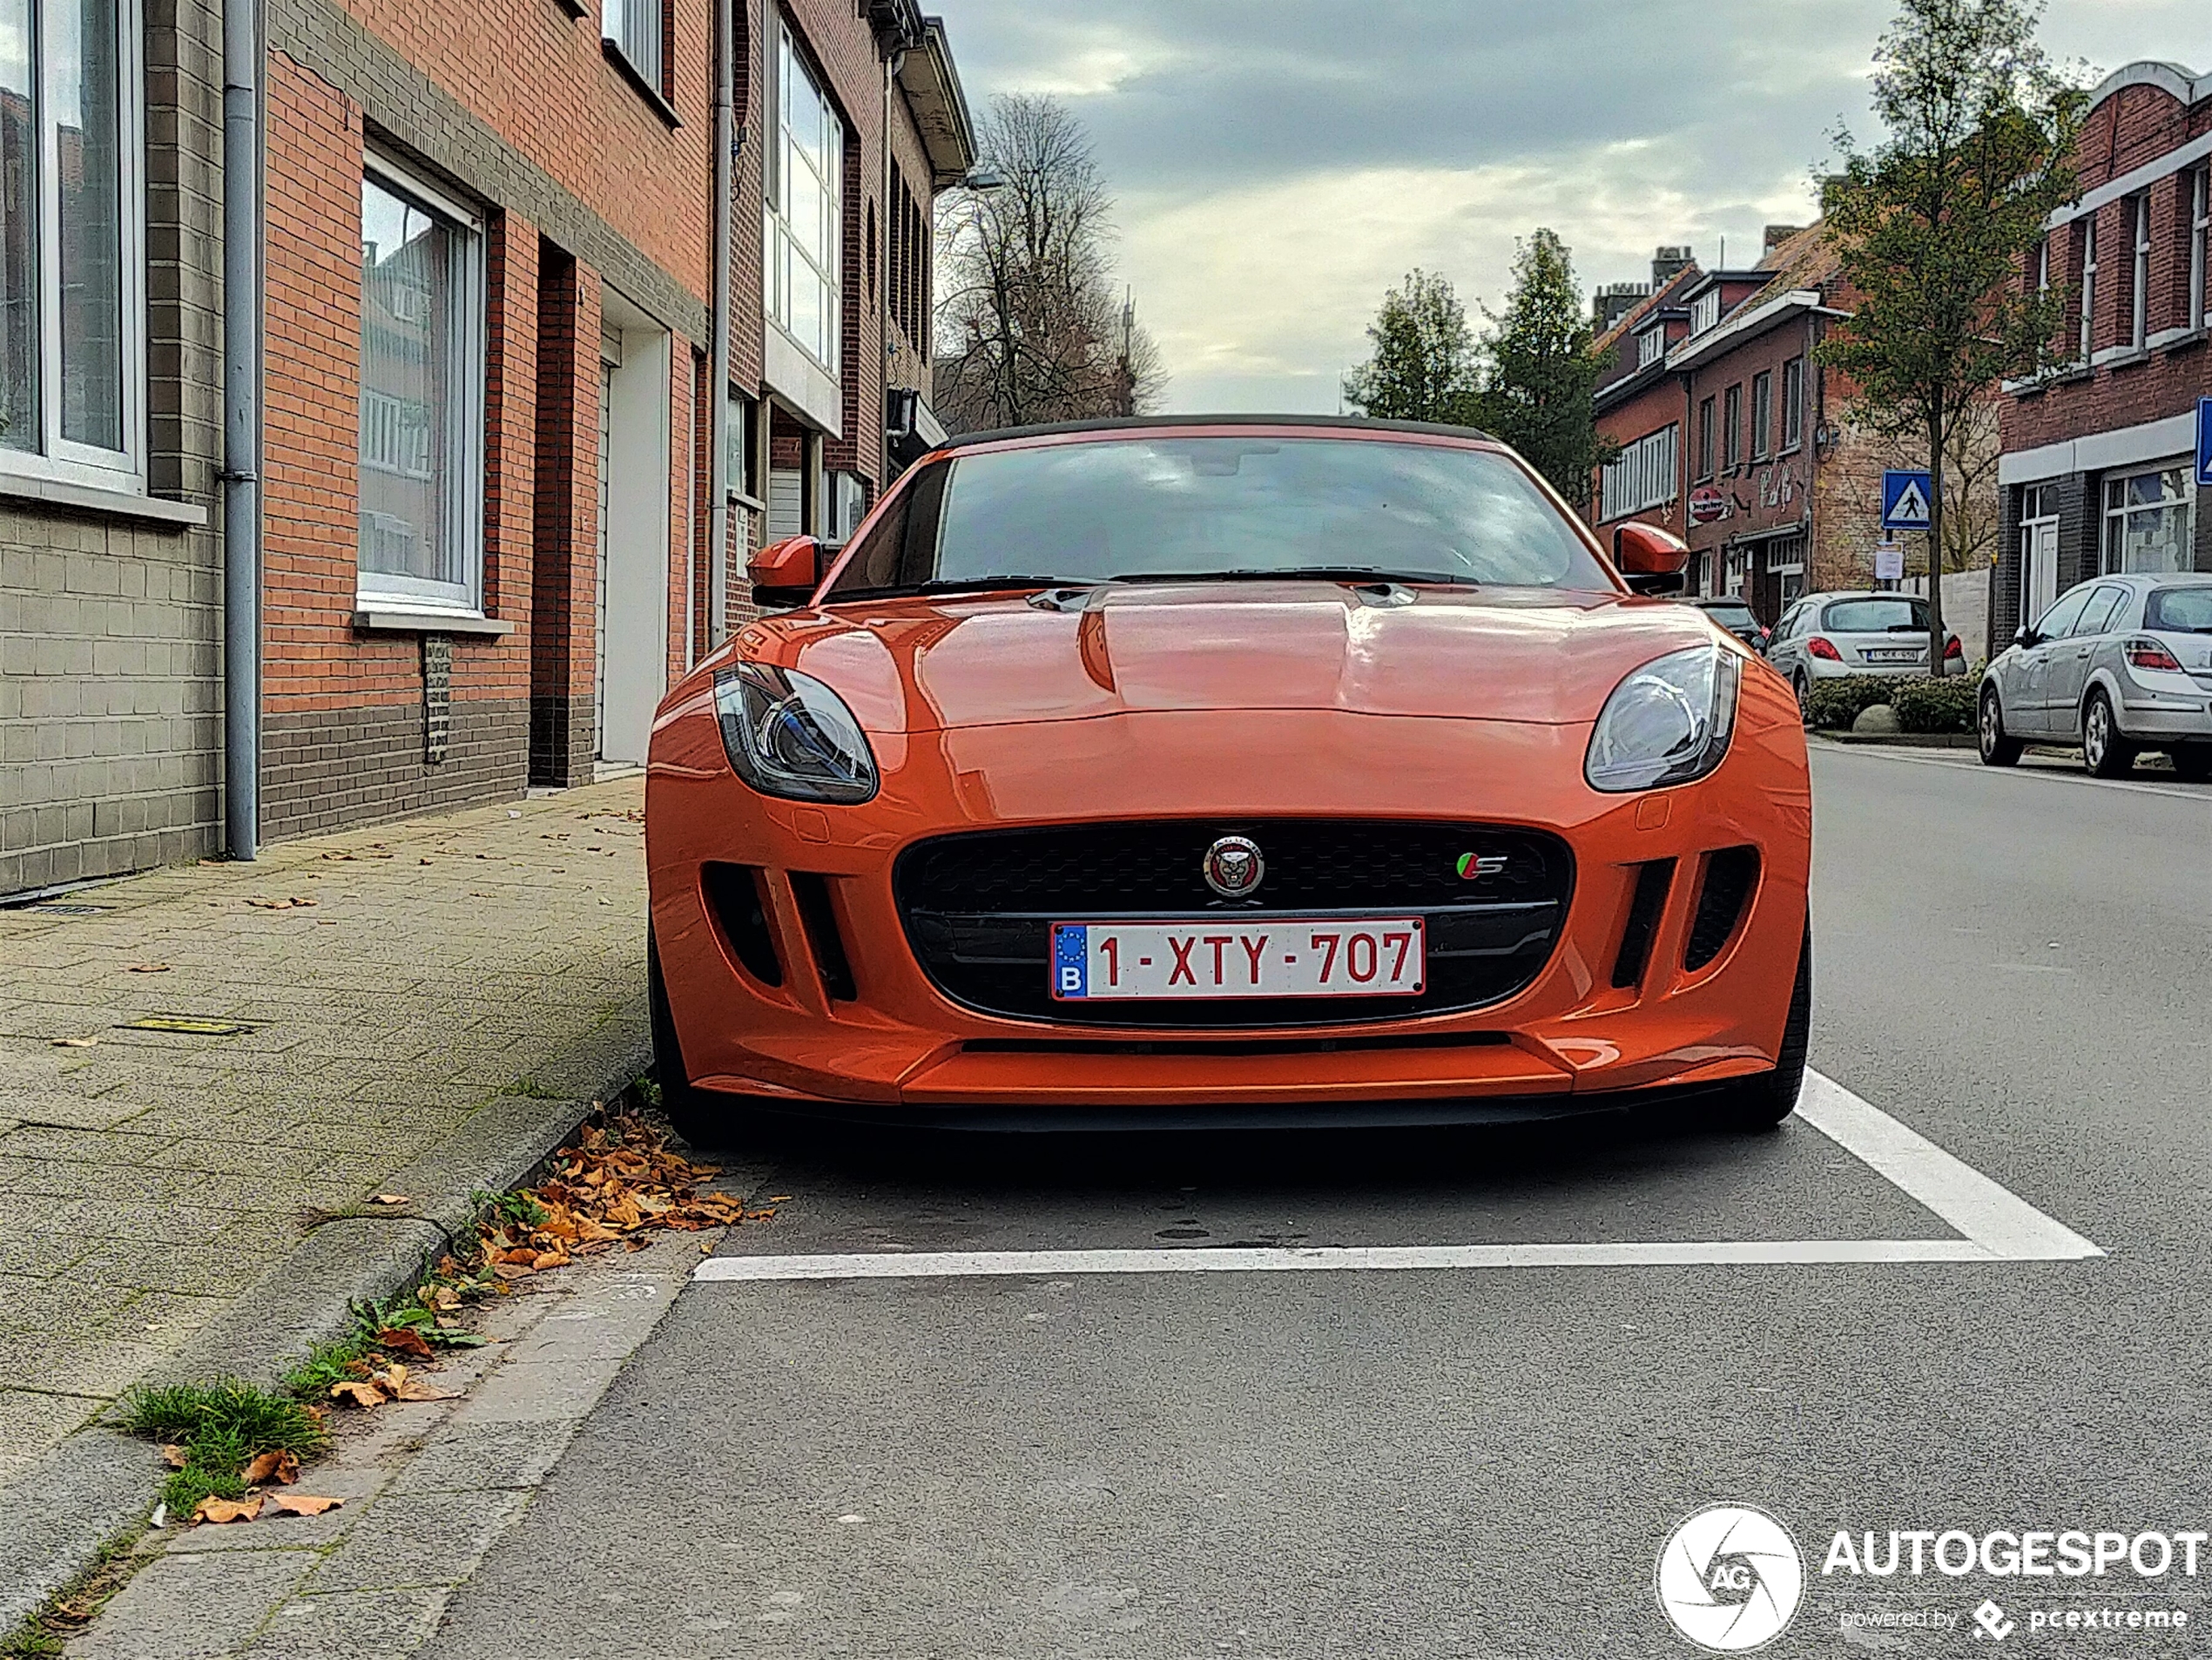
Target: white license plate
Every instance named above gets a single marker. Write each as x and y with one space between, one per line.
1892 656
1329 957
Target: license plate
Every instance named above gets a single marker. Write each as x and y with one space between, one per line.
1330 956
1892 656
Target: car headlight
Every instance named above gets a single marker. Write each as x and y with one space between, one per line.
788 735
1667 723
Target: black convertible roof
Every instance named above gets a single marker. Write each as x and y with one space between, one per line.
1146 423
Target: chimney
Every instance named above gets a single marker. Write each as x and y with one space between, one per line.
1777 235
1613 302
1666 262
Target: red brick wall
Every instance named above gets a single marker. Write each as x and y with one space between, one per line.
1657 405
1776 489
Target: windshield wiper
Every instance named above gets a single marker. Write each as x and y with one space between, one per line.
1304 573
986 584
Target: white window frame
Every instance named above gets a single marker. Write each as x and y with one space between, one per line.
2140 336
633 28
1762 415
58 459
780 241
1646 473
2088 284
2117 514
2200 313
1651 346
465 442
1793 404
1706 312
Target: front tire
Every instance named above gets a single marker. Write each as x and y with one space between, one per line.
1763 1100
1803 687
703 1118
2104 753
1997 750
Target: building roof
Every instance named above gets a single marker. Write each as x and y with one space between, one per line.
931 83
1800 275
1668 294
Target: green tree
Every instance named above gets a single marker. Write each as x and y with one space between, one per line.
1540 374
1934 225
1426 364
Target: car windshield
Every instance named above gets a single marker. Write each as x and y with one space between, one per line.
2180 611
1730 613
1138 509
1882 615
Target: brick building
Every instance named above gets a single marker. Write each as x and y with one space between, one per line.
2096 472
1637 402
487 395
111 572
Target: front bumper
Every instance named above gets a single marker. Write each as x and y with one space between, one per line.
872 1038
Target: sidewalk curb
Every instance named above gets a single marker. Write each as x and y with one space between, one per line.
1904 740
98 1483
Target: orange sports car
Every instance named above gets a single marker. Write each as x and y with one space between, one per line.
1267 771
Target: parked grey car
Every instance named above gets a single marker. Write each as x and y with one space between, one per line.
2118 665
1825 636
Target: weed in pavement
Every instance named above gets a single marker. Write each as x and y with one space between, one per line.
69 1610
216 1428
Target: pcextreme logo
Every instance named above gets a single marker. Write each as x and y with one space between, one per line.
1730 1578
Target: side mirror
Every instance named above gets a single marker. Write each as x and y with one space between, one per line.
787 572
1649 558
2023 635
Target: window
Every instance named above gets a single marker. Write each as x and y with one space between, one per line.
1762 413
1793 403
72 304
1651 346
1732 427
422 396
2088 284
2056 623
1705 312
633 27
1705 439
1642 475
2200 310
806 211
2097 616
2038 502
908 295
2139 301
2147 521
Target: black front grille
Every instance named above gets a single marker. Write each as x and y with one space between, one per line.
979 907
1730 874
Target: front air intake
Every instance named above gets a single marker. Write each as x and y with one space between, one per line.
1730 874
820 917
736 897
1653 880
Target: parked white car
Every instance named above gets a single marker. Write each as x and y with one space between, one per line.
1826 637
2118 665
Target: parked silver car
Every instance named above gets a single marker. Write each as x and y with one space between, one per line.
1825 636
2118 665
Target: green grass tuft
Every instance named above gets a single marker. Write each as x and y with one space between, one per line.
222 1426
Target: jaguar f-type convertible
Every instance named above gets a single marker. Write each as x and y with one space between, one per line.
1216 771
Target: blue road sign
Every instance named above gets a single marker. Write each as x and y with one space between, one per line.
2203 445
1905 501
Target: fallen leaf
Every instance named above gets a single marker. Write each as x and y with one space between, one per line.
305 1504
211 1509
276 1467
415 1389
779 1198
510 1271
75 1043
389 1198
149 967
361 1394
174 1457
404 1342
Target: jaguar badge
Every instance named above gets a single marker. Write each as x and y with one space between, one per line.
1233 866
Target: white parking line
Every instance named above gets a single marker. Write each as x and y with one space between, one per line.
1998 1226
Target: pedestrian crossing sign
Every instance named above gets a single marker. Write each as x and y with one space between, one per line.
1905 501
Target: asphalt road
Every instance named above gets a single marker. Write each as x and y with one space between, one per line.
1478 1461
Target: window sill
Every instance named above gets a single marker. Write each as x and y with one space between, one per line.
375 619
2187 343
2131 359
113 504
643 87
1788 451
574 8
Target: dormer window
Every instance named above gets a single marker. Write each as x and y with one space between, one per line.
1651 346
1706 313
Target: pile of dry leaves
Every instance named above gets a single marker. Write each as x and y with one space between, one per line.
277 1469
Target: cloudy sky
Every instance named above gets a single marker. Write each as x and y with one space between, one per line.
1278 163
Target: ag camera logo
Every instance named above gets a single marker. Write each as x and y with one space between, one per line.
1730 1578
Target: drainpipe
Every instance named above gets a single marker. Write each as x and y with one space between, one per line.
242 159
717 418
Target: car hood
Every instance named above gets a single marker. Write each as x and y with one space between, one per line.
1510 655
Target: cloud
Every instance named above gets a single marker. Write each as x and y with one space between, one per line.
1279 163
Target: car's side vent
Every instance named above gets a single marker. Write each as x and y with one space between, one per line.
1653 880
820 917
1730 874
735 895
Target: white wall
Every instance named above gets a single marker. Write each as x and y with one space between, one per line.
637 520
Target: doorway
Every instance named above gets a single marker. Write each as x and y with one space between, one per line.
631 652
2039 550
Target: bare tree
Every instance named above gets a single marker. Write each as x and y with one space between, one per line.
1029 326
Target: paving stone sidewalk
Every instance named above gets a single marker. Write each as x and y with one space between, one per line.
149 1178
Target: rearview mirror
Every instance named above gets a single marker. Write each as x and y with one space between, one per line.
787 572
2023 635
1651 559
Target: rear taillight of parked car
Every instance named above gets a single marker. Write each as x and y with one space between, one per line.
1823 649
1953 648
2149 654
